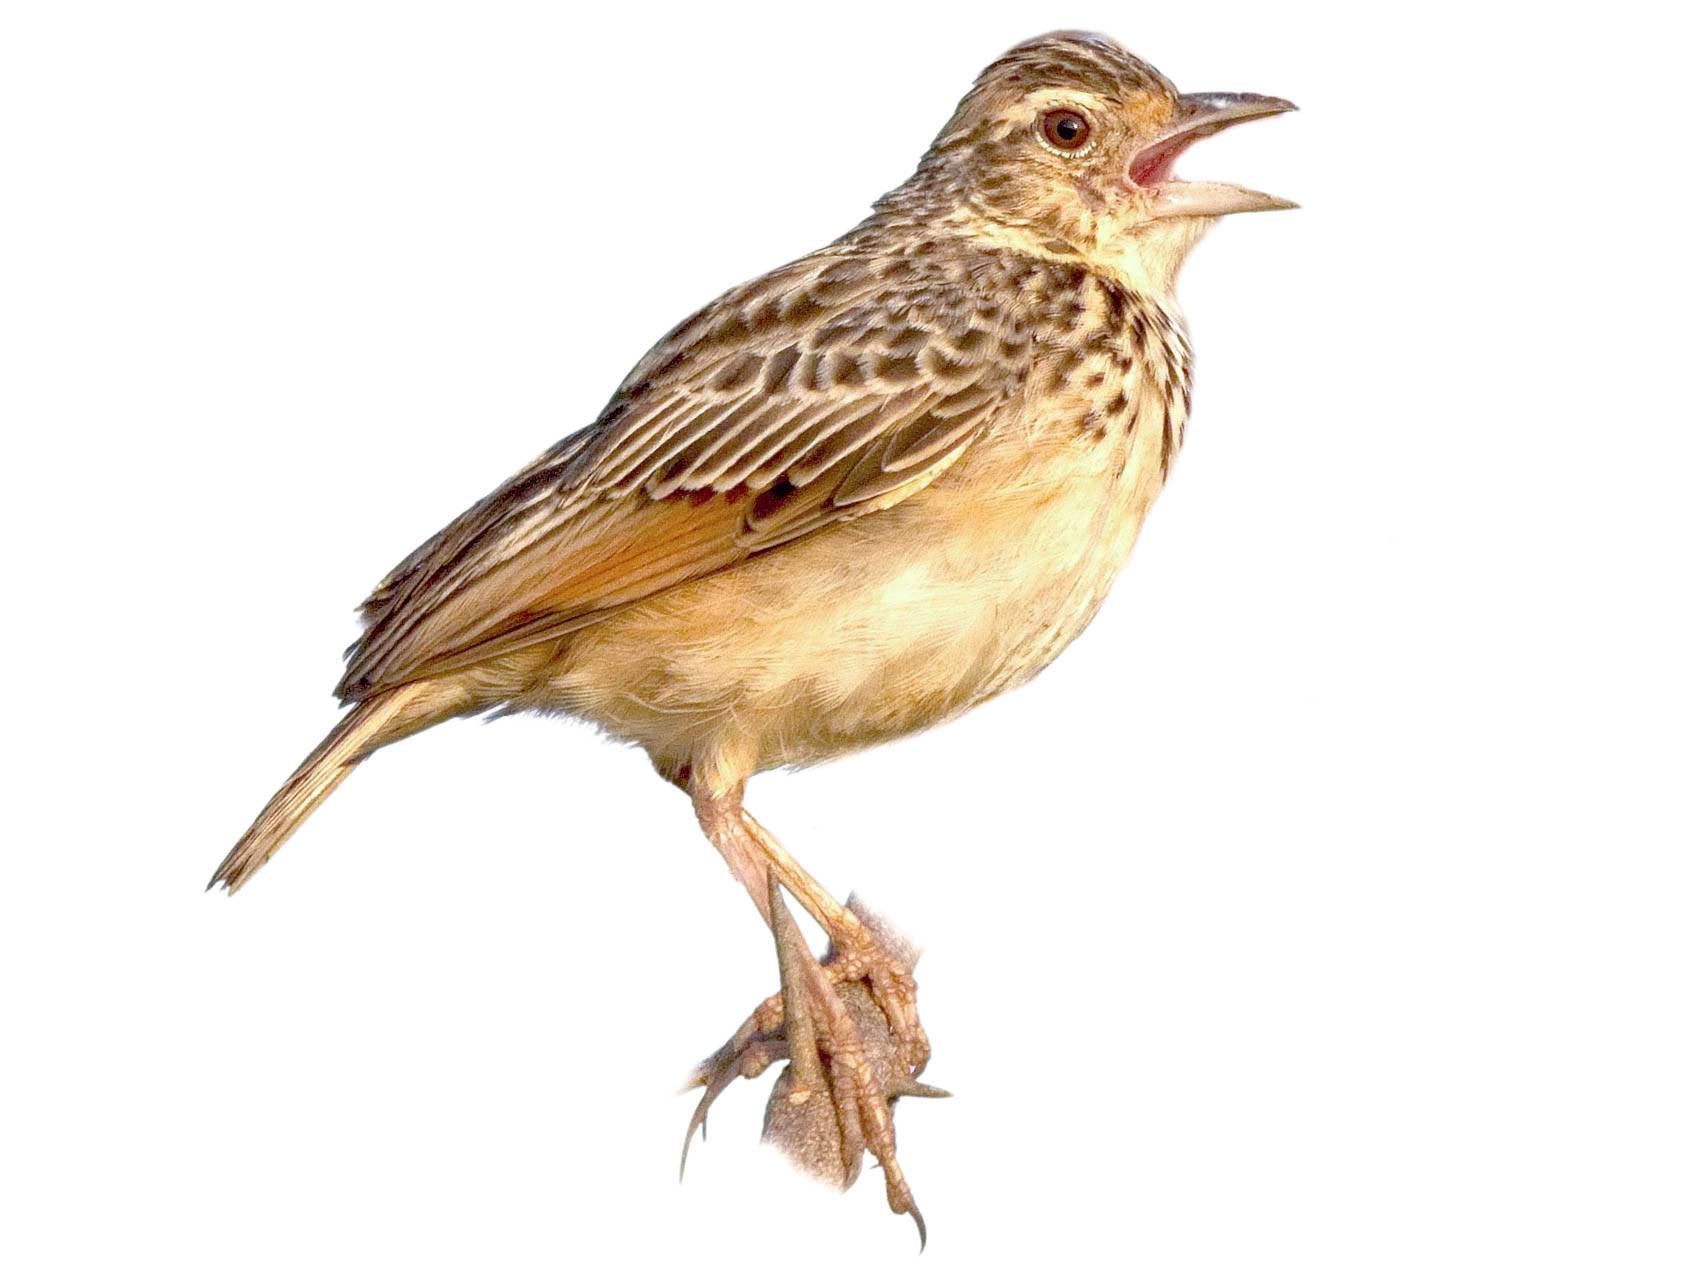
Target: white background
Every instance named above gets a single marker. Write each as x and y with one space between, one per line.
1334 908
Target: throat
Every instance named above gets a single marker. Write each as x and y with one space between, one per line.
1147 259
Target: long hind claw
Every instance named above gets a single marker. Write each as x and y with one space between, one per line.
721 1070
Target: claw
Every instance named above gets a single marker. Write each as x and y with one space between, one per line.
794 960
701 1116
699 1121
919 1089
744 1055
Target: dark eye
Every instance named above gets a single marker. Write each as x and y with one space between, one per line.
1066 130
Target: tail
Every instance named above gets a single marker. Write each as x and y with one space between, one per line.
380 720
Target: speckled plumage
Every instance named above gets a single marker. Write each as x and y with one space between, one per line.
820 399
844 501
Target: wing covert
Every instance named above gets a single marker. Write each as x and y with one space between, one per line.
834 387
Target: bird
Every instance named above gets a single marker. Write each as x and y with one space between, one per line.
845 501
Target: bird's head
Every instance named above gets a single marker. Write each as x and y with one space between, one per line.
1066 146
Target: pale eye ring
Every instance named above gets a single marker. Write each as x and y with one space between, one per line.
1065 131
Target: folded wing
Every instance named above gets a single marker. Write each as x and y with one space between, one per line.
827 390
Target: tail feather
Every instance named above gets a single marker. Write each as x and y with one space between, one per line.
380 720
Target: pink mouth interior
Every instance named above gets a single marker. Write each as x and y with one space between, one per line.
1155 165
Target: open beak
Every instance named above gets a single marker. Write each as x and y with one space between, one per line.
1151 168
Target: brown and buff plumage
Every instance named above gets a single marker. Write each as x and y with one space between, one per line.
843 502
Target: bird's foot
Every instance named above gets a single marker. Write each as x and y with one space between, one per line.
849 1029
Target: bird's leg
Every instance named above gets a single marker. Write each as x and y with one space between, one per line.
848 1026
857 952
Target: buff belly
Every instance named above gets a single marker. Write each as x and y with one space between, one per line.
873 629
